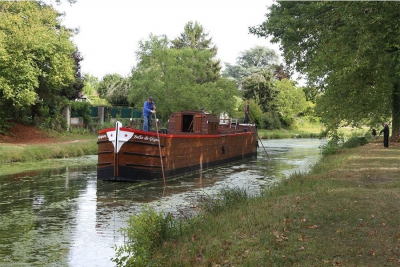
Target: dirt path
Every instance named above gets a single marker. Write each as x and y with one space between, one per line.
21 134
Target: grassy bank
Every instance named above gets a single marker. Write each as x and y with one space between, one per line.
38 152
30 156
59 147
282 134
303 128
34 155
345 212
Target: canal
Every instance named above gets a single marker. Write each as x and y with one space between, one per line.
65 217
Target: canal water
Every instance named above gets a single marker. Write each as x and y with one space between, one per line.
65 217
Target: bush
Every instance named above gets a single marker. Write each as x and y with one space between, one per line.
355 141
271 121
337 142
333 144
288 122
81 109
144 234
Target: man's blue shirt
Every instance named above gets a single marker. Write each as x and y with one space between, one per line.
147 107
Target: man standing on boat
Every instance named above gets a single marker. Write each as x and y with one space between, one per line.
148 109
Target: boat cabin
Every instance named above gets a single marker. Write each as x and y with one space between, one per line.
193 122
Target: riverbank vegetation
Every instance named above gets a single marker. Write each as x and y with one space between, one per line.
344 212
303 127
29 144
185 84
57 150
30 148
192 77
349 84
17 159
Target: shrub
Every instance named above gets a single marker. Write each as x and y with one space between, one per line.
337 142
81 109
144 234
355 141
333 144
271 121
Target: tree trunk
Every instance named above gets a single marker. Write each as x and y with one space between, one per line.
396 112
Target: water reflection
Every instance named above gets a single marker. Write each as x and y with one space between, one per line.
65 217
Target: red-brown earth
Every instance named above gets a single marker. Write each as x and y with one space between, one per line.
22 134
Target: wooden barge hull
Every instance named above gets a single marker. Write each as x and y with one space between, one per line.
140 156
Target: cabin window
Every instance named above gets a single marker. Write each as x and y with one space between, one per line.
187 123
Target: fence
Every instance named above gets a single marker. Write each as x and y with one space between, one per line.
101 114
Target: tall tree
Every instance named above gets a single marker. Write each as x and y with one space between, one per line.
349 50
258 57
37 57
72 90
171 76
195 37
114 88
261 87
91 84
91 89
291 100
254 60
47 110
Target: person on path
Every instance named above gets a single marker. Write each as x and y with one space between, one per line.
373 133
385 132
246 112
148 109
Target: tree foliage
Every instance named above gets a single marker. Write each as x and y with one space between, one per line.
91 88
254 60
291 101
91 84
171 77
349 51
260 86
195 37
39 64
114 88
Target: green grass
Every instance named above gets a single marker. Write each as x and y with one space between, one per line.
282 134
345 212
38 152
19 157
303 128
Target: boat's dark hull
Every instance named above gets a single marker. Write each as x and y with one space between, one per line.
139 156
137 175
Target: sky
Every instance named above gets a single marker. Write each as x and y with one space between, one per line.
110 30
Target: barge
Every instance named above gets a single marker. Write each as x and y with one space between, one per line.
193 141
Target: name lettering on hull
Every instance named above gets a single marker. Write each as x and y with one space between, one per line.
102 136
147 138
